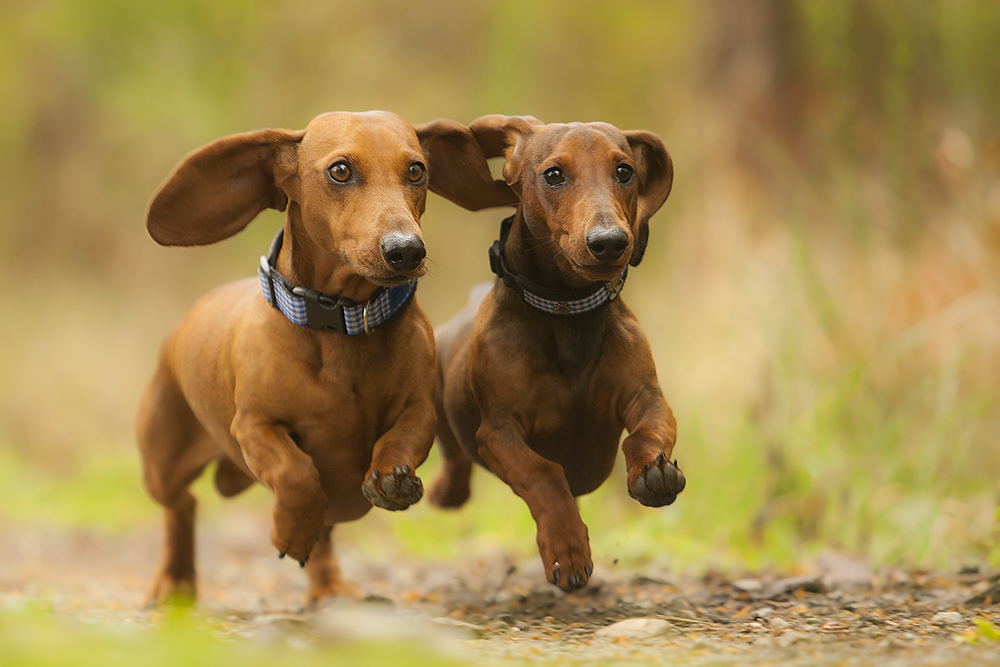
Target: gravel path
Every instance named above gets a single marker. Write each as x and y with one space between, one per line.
837 612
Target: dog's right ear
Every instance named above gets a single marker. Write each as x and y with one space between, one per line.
219 188
655 170
457 168
500 135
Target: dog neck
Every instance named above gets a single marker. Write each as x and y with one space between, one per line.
303 262
308 307
512 262
535 258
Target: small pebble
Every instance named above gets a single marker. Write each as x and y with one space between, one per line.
635 628
789 637
779 623
947 618
749 585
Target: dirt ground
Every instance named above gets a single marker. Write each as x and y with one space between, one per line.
838 612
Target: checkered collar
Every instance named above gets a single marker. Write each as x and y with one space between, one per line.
310 308
564 302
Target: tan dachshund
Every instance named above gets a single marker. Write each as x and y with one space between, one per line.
538 380
317 378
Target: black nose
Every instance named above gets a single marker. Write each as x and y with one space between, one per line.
607 243
402 251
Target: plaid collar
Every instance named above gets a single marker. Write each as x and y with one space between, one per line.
310 308
548 300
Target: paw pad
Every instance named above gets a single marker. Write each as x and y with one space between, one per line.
659 483
394 491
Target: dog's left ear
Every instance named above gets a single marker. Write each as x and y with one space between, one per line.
457 168
219 188
655 170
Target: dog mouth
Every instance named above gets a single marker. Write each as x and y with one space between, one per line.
386 276
595 272
399 278
380 273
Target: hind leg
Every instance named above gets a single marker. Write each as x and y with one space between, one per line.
175 577
325 579
450 488
174 449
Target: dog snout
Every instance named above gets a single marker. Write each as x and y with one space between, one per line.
403 251
607 244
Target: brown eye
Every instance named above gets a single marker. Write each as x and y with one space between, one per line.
339 171
624 174
554 177
416 172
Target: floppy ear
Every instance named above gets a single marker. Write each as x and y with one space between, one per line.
219 188
500 135
457 169
656 176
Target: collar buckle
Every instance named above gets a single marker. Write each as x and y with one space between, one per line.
322 311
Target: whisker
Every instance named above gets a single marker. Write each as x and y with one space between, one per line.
540 243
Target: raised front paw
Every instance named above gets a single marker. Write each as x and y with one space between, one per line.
656 484
395 490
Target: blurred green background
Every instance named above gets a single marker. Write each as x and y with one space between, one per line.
820 291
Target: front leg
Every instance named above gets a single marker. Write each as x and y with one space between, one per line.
299 500
563 542
391 481
652 479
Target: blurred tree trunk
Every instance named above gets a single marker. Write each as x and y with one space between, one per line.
751 65
817 86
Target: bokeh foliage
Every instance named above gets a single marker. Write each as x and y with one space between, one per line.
31 636
821 289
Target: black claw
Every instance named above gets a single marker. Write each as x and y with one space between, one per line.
575 581
281 554
588 570
555 575
302 563
661 460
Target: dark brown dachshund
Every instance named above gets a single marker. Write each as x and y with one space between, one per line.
538 382
318 379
